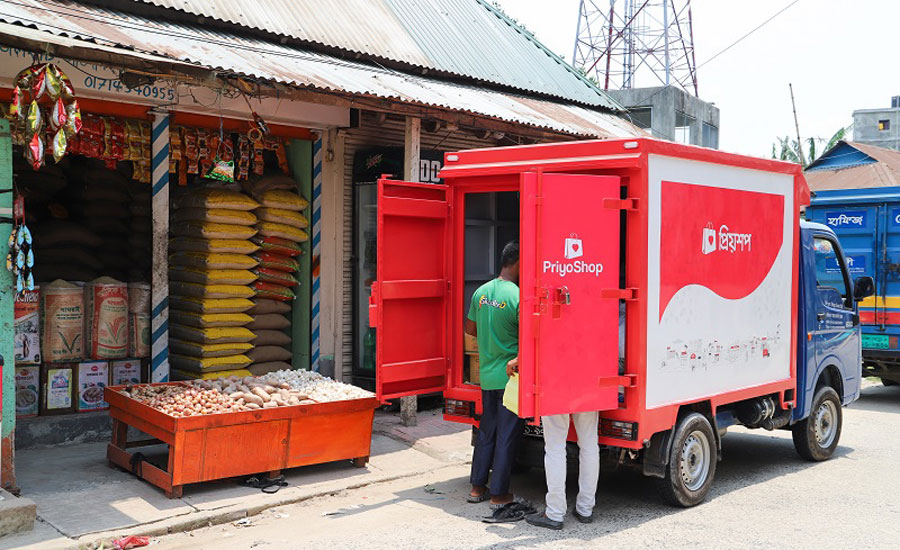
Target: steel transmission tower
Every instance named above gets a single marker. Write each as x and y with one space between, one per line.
636 43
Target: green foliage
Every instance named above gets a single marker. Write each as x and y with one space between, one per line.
789 150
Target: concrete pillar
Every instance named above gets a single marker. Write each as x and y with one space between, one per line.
411 155
334 180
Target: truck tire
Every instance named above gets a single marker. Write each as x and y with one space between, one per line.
692 463
816 436
887 382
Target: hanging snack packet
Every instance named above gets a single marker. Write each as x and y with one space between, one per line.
191 151
221 170
58 145
58 115
37 82
15 108
34 121
34 151
52 82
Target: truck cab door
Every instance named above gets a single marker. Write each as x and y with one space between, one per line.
569 276
409 306
836 320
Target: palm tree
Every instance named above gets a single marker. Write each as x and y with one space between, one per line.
788 149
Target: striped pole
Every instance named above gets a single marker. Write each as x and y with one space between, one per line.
316 251
159 322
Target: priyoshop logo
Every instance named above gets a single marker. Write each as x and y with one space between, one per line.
563 269
725 240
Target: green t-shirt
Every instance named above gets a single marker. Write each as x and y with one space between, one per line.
495 310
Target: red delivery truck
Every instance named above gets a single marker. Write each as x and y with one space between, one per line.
727 317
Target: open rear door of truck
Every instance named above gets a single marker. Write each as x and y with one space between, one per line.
410 306
568 353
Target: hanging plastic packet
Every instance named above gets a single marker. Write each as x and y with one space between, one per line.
58 145
221 170
34 120
11 251
52 82
281 155
15 108
38 82
34 151
58 115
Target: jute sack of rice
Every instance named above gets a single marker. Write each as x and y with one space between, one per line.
209 230
279 215
215 215
195 290
195 349
62 322
139 319
269 229
106 326
212 335
212 260
280 198
212 276
204 320
209 364
210 305
235 246
217 198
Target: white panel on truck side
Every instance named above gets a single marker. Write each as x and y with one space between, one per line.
720 267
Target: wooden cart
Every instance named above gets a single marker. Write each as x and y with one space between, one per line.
217 446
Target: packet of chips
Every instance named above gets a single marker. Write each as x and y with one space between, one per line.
58 114
34 120
58 146
221 170
34 151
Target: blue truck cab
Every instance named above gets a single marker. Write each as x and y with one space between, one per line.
867 222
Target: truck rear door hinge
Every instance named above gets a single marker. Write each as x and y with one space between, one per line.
626 381
620 204
619 293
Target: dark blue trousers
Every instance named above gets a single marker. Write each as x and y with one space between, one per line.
496 444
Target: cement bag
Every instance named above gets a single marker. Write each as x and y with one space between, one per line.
212 276
236 246
203 320
275 276
209 230
139 300
210 305
218 198
272 291
62 327
277 245
27 328
215 215
259 369
106 326
194 349
279 198
212 335
266 337
279 215
212 260
262 306
270 321
279 262
269 229
185 375
265 354
194 290
210 364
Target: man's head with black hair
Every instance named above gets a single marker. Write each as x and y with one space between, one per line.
509 262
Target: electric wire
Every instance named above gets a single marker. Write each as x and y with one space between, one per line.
736 42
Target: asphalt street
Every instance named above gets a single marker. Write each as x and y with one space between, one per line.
764 496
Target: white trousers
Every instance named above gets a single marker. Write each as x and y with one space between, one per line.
556 430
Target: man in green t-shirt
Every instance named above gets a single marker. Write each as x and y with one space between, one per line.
494 319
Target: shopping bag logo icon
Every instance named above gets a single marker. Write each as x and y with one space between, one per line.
709 239
574 249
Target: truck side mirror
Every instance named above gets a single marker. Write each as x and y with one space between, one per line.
863 288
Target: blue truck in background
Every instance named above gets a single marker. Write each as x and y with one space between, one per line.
867 222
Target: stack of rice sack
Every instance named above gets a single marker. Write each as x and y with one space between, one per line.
104 201
281 227
140 236
210 283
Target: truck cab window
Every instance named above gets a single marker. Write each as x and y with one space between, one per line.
831 274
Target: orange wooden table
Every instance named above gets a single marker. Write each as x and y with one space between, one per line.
217 446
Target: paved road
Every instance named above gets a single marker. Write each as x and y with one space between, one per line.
764 496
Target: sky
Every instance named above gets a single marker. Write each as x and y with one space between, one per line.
834 52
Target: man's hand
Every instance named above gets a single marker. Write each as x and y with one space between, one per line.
512 366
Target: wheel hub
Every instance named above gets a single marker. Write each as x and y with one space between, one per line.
695 457
825 424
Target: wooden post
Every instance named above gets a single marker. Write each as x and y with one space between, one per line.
411 154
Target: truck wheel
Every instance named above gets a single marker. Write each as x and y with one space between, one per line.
692 463
816 436
886 382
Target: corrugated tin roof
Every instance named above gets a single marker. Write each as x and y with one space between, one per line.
468 38
265 60
882 171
